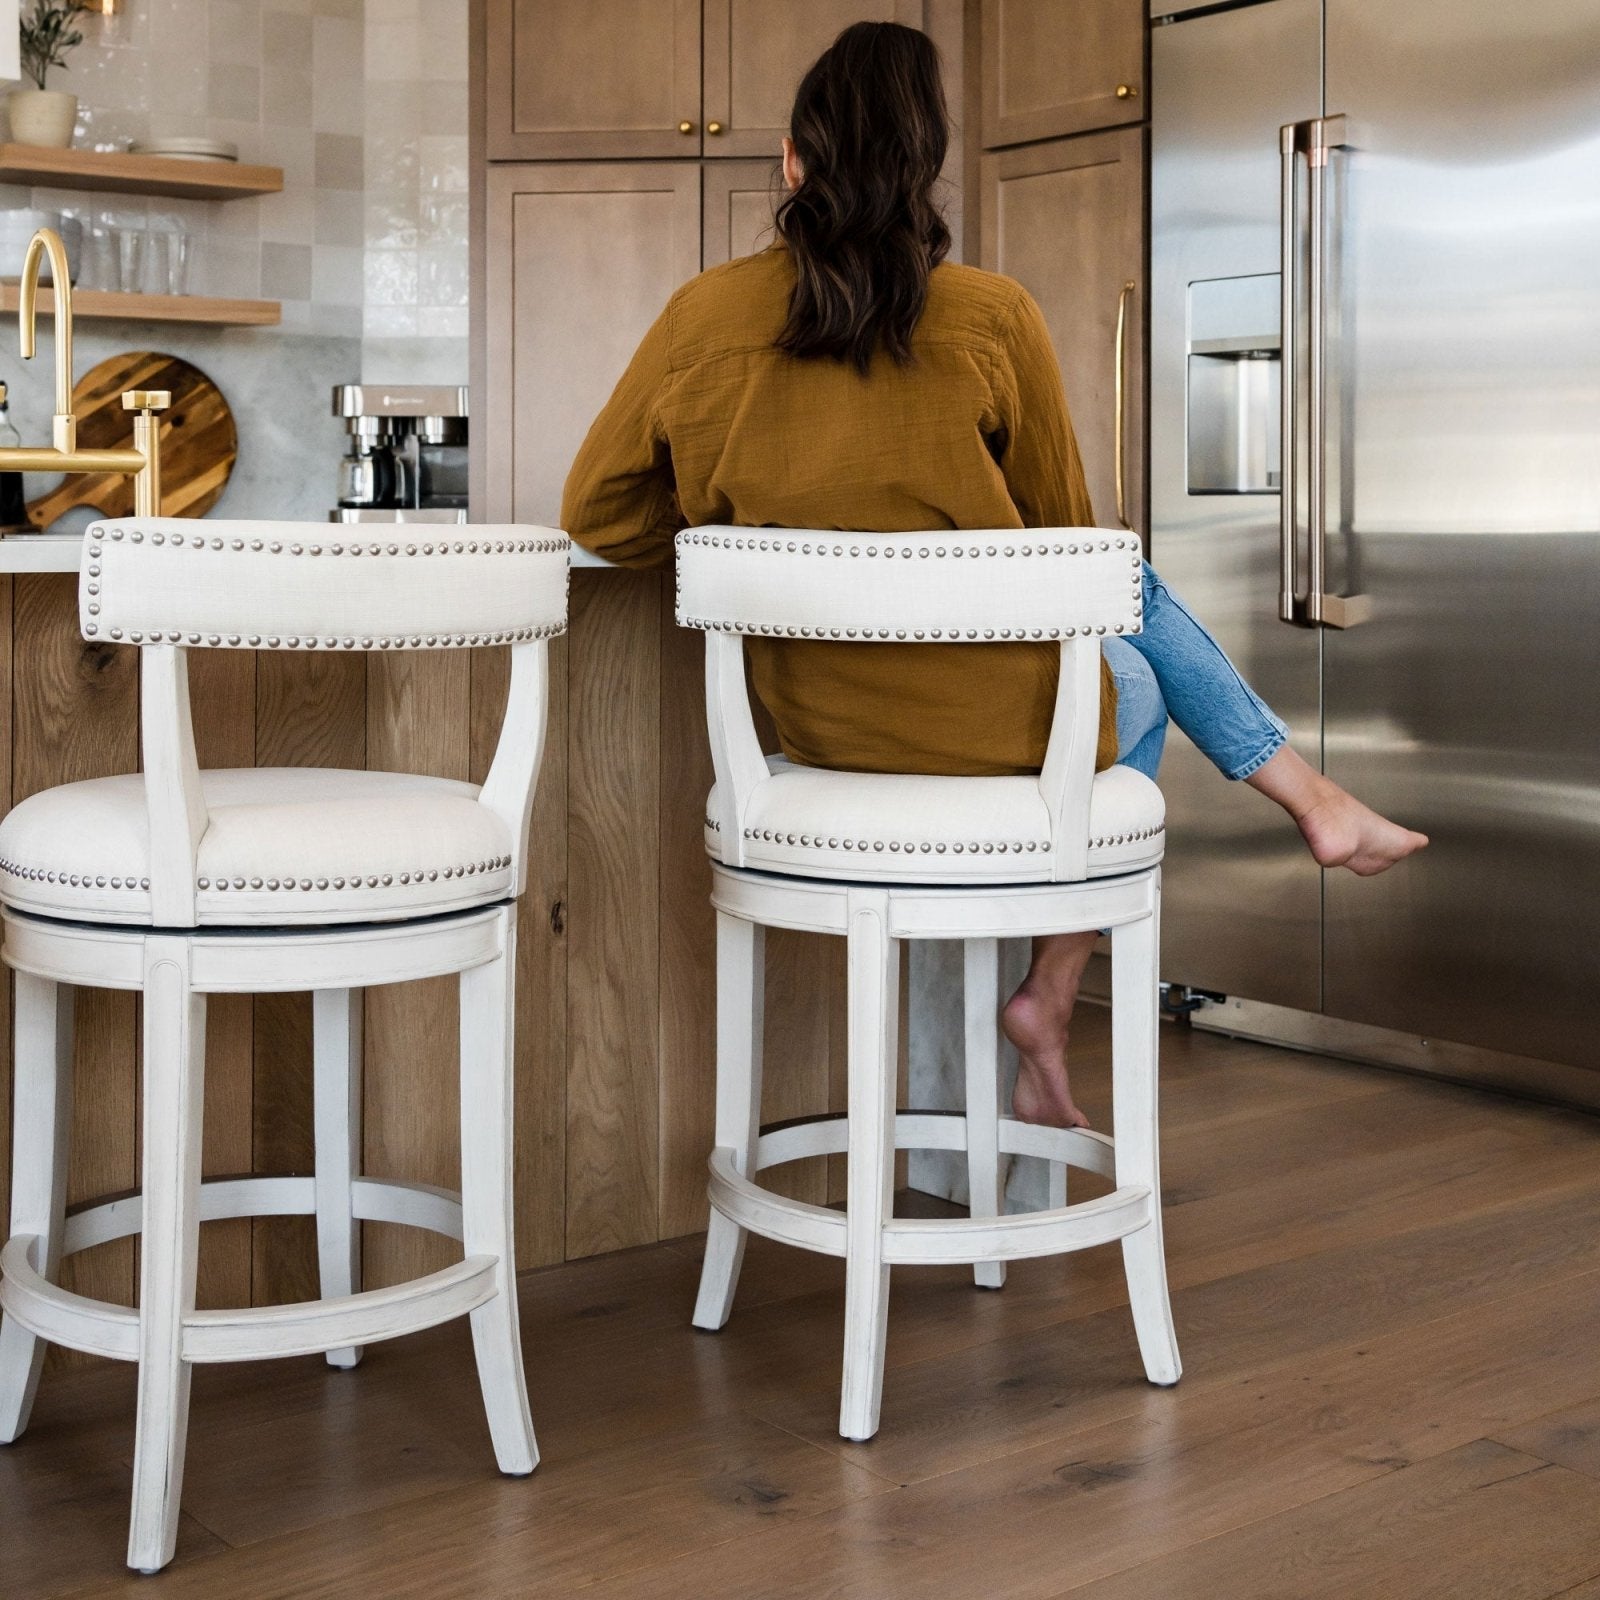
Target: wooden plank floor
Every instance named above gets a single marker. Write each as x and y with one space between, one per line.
1387 1293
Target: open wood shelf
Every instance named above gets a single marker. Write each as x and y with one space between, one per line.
130 174
158 307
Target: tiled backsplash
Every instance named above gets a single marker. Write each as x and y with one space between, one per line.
415 317
283 80
364 106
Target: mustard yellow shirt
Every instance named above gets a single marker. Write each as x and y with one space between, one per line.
711 423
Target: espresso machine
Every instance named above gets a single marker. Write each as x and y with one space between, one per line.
406 460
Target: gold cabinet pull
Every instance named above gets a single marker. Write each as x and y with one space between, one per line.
1119 447
713 128
1127 91
686 126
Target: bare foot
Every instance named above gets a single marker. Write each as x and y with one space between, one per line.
1035 1020
1337 828
1341 832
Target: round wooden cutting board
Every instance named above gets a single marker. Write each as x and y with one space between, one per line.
199 442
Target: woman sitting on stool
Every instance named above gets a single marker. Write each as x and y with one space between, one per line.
850 377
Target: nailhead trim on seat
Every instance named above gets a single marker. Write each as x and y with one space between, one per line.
372 881
986 847
890 552
70 880
443 547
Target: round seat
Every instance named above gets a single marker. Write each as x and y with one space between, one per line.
891 828
284 846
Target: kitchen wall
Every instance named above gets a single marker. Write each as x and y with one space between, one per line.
364 107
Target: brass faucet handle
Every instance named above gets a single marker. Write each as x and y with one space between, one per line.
146 399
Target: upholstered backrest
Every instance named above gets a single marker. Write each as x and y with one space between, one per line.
320 586
1012 583
169 585
1072 585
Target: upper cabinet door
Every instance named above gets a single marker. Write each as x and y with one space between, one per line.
756 53
1060 66
593 79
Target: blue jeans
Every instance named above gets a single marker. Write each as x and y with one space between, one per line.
1175 668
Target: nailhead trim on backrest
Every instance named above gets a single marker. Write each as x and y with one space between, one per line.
337 548
869 549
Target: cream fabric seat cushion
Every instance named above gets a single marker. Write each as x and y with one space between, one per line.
284 846
878 827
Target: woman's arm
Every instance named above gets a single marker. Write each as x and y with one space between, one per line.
620 499
1039 454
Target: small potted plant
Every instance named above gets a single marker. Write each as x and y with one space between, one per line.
46 116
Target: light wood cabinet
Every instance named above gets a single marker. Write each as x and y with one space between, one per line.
601 79
1066 219
1054 67
592 79
581 257
755 55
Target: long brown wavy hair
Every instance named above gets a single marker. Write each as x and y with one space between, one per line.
870 128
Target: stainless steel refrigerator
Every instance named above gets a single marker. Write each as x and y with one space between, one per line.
1375 471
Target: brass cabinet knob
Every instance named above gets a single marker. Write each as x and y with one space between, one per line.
146 399
685 127
713 128
1126 91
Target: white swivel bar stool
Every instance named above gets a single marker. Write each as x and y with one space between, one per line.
181 883
880 858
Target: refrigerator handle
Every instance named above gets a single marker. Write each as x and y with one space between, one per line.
1290 608
1120 448
1316 139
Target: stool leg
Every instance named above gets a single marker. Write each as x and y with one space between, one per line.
40 1132
1056 1186
741 1011
985 1174
1135 1078
336 1074
487 1077
874 981
174 1098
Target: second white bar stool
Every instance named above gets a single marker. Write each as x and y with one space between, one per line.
880 858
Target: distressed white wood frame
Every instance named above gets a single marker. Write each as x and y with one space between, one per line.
169 587
1072 585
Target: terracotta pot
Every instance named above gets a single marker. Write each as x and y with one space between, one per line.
42 116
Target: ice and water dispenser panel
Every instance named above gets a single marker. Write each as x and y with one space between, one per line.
1235 380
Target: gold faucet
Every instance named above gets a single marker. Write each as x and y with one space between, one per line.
143 462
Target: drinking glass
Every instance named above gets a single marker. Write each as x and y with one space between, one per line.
130 259
174 267
99 269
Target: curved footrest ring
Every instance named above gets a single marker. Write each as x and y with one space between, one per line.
253 1333
938 1130
918 1241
